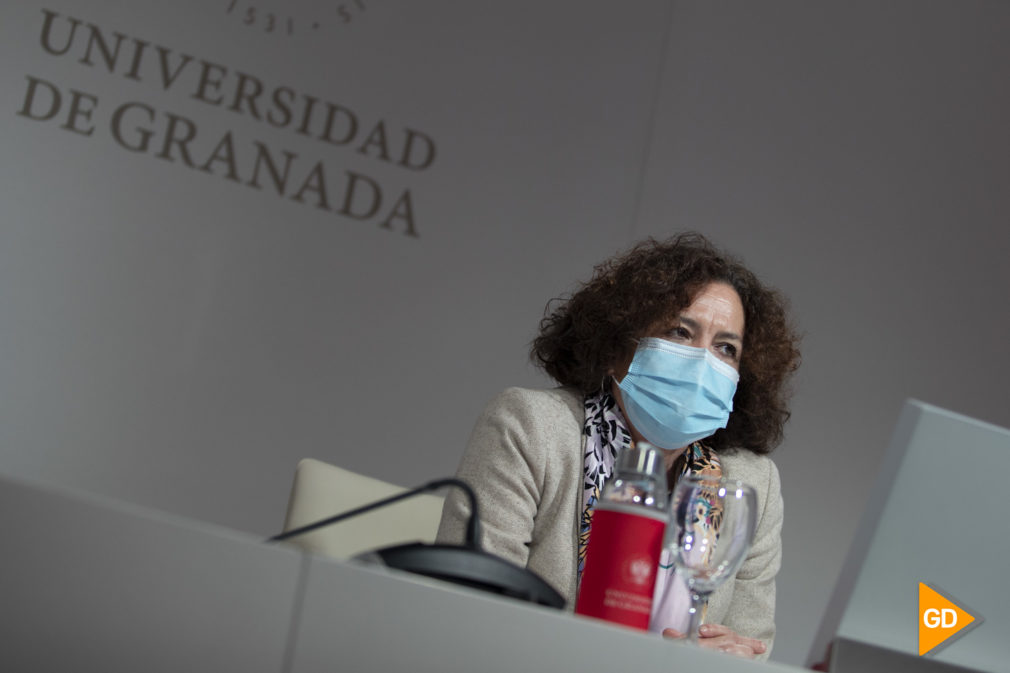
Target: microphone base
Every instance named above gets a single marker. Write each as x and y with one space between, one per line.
471 568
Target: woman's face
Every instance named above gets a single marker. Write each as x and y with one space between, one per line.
714 320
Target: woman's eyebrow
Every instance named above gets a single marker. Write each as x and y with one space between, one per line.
732 336
693 324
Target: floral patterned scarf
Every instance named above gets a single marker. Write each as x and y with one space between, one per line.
606 434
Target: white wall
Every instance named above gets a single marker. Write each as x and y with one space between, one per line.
857 156
179 339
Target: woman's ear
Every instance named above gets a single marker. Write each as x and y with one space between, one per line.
617 370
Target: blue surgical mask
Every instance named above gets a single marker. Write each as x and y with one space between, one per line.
675 395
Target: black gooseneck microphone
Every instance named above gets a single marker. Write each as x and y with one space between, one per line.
467 564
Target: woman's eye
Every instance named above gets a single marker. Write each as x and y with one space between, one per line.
681 332
728 350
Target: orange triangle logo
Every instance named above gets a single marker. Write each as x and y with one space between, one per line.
941 620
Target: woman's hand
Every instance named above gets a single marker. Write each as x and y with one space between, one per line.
724 639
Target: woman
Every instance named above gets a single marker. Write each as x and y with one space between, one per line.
539 458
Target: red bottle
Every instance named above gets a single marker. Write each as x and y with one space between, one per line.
625 542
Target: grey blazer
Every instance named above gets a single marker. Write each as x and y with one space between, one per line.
525 462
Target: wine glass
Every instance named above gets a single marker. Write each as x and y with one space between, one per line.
712 524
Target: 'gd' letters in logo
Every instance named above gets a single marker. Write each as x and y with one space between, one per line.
941 620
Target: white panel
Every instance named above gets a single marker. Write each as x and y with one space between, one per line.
943 523
91 585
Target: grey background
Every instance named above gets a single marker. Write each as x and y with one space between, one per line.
174 339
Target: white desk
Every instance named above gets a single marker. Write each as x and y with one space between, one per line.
92 585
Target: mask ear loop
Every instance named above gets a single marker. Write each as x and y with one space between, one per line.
606 385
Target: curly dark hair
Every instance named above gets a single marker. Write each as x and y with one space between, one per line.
588 332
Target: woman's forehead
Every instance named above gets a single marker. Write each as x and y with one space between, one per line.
717 305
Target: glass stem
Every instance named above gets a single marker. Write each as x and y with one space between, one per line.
699 602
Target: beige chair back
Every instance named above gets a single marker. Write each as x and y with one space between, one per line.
321 490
